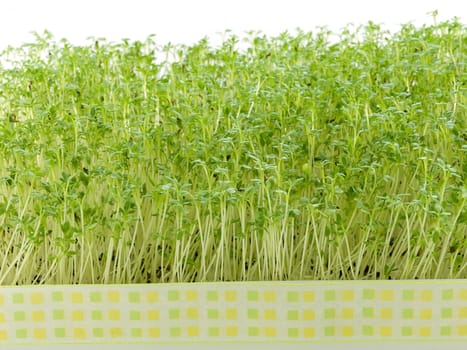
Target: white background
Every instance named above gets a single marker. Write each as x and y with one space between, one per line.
187 21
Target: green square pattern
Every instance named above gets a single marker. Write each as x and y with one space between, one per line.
174 314
58 314
253 314
330 295
134 297
213 331
175 331
368 312
135 315
136 332
253 331
369 294
21 333
19 316
293 332
213 314
329 331
368 330
446 331
329 314
447 294
292 315
292 297
57 297
252 295
408 295
407 331
98 332
212 295
173 295
407 314
96 315
446 312
18 298
95 297
60 332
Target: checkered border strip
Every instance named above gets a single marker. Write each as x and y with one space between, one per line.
231 312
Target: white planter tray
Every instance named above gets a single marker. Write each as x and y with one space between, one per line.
416 314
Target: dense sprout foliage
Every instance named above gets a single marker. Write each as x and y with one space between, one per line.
265 158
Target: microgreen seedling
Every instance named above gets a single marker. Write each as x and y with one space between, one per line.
291 157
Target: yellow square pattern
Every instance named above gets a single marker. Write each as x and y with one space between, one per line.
79 333
231 314
232 331
270 296
93 314
462 330
386 313
270 314
348 313
38 316
113 296
309 332
385 331
347 331
387 295
308 314
154 332
426 295
425 331
426 314
115 332
77 315
230 295
192 312
39 333
191 295
36 298
463 312
114 315
193 331
77 298
348 295
308 296
270 332
152 296
153 315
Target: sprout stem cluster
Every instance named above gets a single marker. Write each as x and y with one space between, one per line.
267 158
